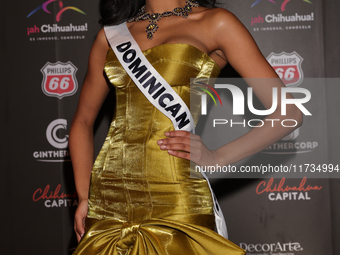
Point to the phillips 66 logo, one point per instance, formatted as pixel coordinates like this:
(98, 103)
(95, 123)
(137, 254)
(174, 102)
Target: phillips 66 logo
(287, 66)
(59, 79)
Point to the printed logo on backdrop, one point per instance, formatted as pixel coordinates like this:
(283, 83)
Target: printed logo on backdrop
(281, 191)
(67, 31)
(290, 145)
(283, 3)
(57, 137)
(59, 79)
(55, 197)
(277, 19)
(278, 248)
(62, 9)
(287, 66)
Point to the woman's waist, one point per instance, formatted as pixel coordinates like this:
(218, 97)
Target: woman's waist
(134, 200)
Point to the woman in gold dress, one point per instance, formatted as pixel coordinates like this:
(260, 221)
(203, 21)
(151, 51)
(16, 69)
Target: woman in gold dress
(138, 197)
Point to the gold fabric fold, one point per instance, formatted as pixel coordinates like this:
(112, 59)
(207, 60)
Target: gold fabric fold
(152, 237)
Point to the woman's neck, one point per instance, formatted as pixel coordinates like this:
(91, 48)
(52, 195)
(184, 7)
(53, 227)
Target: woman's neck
(159, 6)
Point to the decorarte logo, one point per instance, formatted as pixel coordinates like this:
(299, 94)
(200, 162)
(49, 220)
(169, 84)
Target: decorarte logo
(278, 248)
(62, 9)
(283, 5)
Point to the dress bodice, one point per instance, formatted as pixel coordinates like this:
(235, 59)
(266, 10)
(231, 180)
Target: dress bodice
(132, 178)
(177, 64)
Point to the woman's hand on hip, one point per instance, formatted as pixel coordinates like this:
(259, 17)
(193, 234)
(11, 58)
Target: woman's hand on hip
(185, 145)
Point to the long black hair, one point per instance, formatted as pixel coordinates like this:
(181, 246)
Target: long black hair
(114, 12)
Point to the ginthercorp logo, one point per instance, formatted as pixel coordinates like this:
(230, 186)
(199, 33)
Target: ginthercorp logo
(51, 134)
(290, 248)
(59, 79)
(56, 135)
(292, 136)
(55, 197)
(239, 106)
(283, 4)
(289, 145)
(62, 9)
(282, 192)
(287, 66)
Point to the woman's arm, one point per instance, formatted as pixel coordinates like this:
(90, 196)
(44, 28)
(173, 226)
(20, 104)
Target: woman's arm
(92, 96)
(243, 54)
(241, 51)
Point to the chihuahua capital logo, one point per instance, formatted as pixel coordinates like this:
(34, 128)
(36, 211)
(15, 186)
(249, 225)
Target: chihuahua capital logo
(283, 5)
(62, 9)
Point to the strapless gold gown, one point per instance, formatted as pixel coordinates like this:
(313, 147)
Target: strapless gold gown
(142, 200)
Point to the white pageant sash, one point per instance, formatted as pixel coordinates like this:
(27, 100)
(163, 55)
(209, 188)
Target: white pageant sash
(157, 91)
(147, 79)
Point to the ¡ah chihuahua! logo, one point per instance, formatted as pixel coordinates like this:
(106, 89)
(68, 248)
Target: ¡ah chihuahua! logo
(71, 29)
(283, 5)
(62, 9)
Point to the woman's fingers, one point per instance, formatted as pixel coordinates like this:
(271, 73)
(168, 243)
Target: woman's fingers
(174, 145)
(179, 154)
(79, 227)
(178, 133)
(185, 145)
(195, 154)
(180, 140)
(79, 219)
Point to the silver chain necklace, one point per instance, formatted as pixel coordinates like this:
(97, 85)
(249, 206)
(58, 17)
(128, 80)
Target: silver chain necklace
(155, 17)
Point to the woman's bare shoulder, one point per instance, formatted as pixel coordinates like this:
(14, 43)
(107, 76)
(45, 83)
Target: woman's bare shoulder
(219, 27)
(101, 39)
(220, 18)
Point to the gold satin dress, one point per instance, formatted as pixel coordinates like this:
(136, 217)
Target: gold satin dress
(142, 200)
